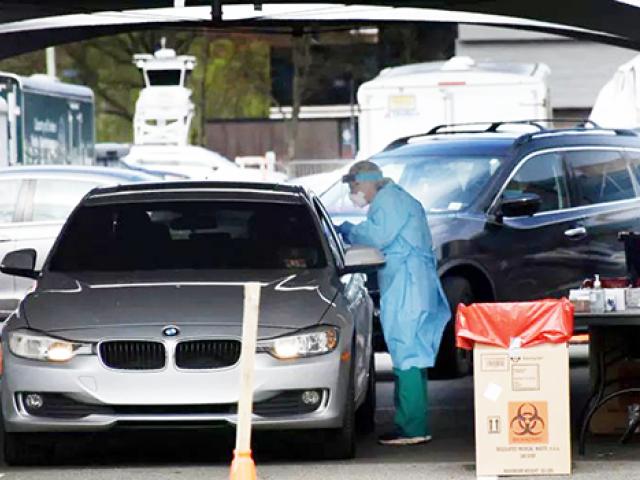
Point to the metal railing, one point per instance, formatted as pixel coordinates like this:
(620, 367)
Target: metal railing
(302, 168)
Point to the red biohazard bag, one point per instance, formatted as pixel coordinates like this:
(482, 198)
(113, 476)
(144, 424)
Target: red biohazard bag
(498, 324)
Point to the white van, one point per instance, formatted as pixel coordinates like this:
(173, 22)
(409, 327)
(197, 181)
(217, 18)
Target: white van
(412, 99)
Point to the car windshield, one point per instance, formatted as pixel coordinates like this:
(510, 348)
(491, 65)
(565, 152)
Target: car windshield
(441, 183)
(189, 235)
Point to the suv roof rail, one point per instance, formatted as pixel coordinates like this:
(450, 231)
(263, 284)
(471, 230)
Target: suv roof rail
(534, 122)
(493, 127)
(620, 132)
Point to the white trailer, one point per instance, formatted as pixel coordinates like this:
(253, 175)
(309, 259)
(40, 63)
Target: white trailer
(412, 99)
(618, 103)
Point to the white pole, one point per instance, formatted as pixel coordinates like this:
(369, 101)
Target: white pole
(247, 363)
(51, 62)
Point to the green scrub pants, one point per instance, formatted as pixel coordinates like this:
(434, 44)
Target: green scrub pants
(411, 402)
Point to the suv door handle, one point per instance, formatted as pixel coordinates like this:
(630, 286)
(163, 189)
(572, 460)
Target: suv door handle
(576, 232)
(4, 240)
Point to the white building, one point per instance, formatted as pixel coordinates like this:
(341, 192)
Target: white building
(579, 69)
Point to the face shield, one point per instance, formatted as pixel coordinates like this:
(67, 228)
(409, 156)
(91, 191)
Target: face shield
(355, 180)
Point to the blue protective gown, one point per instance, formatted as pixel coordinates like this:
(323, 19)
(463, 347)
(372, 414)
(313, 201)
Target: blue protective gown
(414, 308)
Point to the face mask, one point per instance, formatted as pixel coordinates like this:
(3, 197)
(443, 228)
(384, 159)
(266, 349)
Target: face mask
(358, 199)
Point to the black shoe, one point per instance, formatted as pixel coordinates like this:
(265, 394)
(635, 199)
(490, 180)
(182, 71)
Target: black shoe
(397, 439)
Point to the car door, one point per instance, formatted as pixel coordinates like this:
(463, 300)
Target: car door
(606, 197)
(535, 256)
(354, 291)
(49, 203)
(12, 194)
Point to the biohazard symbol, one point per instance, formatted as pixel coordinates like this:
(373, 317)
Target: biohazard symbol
(528, 422)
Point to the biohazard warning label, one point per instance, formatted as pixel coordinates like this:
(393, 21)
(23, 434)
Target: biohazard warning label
(528, 423)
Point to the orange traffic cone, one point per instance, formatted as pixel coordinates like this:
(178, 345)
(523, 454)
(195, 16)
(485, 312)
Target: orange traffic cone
(243, 467)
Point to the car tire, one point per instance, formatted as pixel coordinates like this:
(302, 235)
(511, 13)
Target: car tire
(366, 414)
(25, 449)
(340, 443)
(451, 361)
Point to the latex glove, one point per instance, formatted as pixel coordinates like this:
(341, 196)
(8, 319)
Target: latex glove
(345, 229)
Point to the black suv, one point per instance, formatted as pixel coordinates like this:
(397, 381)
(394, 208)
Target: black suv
(515, 215)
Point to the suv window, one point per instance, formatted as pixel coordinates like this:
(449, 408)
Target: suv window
(55, 199)
(9, 191)
(543, 175)
(442, 183)
(189, 235)
(600, 176)
(634, 159)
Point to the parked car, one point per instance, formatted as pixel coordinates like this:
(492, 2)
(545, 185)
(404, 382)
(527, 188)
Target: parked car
(194, 162)
(34, 203)
(141, 300)
(108, 154)
(514, 216)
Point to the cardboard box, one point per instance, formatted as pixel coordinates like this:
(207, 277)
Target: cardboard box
(522, 413)
(612, 418)
(632, 298)
(581, 300)
(615, 299)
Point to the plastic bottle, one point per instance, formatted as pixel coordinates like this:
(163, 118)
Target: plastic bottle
(597, 296)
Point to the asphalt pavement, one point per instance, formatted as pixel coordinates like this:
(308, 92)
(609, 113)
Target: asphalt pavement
(206, 455)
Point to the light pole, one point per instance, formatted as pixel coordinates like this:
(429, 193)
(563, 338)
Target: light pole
(51, 62)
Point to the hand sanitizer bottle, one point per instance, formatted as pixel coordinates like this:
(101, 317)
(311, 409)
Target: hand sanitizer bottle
(597, 296)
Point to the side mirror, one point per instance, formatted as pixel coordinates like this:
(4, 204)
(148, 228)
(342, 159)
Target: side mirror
(20, 263)
(524, 205)
(361, 259)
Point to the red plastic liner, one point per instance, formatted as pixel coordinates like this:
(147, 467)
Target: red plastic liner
(535, 323)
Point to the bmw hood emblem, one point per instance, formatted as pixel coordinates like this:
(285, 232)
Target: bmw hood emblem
(171, 331)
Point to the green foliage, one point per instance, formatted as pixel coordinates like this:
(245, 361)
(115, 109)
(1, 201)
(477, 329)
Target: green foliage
(231, 79)
(236, 77)
(26, 64)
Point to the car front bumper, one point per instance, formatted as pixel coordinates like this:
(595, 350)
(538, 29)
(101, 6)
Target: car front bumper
(91, 397)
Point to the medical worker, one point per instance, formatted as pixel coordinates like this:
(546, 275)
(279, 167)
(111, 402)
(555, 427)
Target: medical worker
(414, 308)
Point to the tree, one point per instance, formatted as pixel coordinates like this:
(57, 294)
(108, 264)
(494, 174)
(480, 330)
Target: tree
(301, 60)
(415, 42)
(231, 78)
(106, 66)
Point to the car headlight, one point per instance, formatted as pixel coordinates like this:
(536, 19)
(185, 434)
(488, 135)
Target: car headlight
(35, 346)
(306, 343)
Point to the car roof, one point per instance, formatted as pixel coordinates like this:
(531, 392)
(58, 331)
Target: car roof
(197, 190)
(105, 173)
(454, 144)
(506, 143)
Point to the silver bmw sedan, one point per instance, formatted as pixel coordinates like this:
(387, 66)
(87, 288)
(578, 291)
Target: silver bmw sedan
(136, 318)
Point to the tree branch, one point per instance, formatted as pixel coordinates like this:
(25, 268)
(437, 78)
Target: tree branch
(117, 113)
